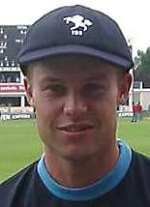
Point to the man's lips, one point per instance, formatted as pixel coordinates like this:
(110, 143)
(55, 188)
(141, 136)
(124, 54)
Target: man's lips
(75, 127)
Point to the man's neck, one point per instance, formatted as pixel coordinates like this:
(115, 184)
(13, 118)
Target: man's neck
(82, 172)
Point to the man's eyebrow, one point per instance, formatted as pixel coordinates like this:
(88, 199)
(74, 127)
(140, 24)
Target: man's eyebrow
(50, 79)
(100, 77)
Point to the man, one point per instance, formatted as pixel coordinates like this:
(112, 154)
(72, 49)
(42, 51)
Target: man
(76, 62)
(134, 109)
(139, 111)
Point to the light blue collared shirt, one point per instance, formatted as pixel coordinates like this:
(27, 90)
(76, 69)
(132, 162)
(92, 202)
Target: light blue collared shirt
(95, 190)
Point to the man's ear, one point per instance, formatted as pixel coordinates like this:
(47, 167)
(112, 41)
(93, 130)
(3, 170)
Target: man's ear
(124, 87)
(29, 92)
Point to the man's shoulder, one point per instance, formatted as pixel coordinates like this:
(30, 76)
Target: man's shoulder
(20, 177)
(18, 186)
(141, 168)
(141, 160)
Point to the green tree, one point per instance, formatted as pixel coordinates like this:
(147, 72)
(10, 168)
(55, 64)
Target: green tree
(142, 67)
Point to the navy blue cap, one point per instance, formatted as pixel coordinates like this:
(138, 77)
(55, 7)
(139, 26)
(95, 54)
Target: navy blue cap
(76, 30)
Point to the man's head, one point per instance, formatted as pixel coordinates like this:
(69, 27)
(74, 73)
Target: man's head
(75, 98)
(77, 62)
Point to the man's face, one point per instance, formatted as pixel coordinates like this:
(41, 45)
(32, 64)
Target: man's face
(75, 101)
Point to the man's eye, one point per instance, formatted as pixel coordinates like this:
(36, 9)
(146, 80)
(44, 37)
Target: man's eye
(94, 89)
(94, 86)
(56, 89)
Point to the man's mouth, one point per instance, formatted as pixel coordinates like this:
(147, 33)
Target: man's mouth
(75, 127)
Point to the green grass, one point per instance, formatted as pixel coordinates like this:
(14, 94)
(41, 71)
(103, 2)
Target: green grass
(20, 145)
(136, 134)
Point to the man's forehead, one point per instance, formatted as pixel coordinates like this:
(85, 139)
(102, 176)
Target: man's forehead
(73, 68)
(74, 62)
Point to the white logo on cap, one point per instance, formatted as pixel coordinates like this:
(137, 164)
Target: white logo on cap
(80, 24)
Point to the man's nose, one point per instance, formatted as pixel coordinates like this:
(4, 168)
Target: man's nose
(75, 106)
